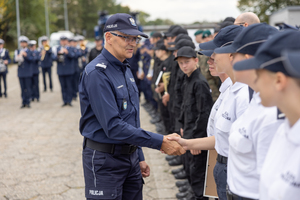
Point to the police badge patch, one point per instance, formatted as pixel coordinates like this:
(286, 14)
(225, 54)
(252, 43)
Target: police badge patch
(124, 106)
(132, 21)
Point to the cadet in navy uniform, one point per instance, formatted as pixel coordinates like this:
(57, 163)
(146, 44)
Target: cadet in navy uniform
(65, 69)
(113, 162)
(35, 71)
(23, 57)
(47, 57)
(4, 61)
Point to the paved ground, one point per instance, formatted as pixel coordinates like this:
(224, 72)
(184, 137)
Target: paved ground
(40, 150)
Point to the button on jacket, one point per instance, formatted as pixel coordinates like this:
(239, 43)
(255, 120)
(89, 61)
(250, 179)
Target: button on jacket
(280, 175)
(109, 103)
(250, 137)
(196, 105)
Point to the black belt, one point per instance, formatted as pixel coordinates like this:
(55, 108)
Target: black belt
(222, 159)
(109, 148)
(232, 196)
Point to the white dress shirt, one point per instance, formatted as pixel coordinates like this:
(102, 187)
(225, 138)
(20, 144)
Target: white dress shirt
(224, 91)
(232, 107)
(280, 175)
(249, 140)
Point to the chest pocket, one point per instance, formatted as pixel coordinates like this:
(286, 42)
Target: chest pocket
(122, 99)
(240, 143)
(223, 123)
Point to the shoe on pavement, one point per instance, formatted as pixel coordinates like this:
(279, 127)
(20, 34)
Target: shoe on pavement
(168, 157)
(181, 175)
(176, 171)
(175, 162)
(184, 188)
(182, 183)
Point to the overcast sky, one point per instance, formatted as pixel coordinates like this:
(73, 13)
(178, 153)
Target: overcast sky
(185, 11)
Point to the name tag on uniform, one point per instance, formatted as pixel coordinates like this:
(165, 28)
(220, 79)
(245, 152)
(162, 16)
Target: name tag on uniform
(124, 105)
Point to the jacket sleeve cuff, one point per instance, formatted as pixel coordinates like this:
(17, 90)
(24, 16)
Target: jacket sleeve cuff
(141, 154)
(156, 140)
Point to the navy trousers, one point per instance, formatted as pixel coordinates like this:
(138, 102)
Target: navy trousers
(3, 76)
(66, 87)
(35, 87)
(112, 176)
(220, 175)
(48, 71)
(25, 84)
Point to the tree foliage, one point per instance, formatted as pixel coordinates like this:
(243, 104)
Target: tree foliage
(82, 17)
(264, 8)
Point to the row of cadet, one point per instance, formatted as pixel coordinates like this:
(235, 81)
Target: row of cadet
(229, 98)
(71, 59)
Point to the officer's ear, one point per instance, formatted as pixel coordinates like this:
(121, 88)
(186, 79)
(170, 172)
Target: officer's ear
(108, 38)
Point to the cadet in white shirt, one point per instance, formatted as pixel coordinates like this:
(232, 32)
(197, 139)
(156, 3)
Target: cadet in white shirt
(252, 133)
(279, 85)
(233, 105)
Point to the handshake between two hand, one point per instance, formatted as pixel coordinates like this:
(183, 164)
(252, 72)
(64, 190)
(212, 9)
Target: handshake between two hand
(173, 144)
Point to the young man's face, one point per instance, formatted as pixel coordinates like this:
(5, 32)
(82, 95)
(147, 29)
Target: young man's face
(245, 76)
(159, 53)
(187, 65)
(212, 66)
(198, 38)
(266, 86)
(23, 44)
(1, 46)
(222, 62)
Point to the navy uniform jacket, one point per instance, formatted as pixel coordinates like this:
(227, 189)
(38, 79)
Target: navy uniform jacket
(5, 57)
(24, 68)
(109, 104)
(84, 53)
(48, 59)
(35, 61)
(67, 66)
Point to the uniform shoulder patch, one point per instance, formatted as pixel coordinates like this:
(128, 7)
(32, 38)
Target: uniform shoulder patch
(102, 65)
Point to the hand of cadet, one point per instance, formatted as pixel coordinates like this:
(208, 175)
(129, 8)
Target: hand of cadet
(149, 78)
(5, 62)
(181, 132)
(165, 99)
(66, 51)
(172, 147)
(195, 152)
(160, 88)
(145, 169)
(24, 54)
(179, 140)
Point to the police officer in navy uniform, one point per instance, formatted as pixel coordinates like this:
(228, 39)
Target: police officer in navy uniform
(113, 161)
(4, 61)
(35, 71)
(24, 57)
(65, 69)
(47, 57)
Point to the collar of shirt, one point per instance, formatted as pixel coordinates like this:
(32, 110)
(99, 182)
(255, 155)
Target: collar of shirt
(237, 86)
(256, 97)
(292, 133)
(195, 73)
(113, 60)
(227, 83)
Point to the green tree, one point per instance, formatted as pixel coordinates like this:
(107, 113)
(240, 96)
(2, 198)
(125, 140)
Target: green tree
(264, 8)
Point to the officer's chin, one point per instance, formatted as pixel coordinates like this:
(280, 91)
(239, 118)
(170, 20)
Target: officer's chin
(129, 55)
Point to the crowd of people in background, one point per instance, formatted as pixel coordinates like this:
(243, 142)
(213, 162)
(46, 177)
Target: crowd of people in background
(71, 57)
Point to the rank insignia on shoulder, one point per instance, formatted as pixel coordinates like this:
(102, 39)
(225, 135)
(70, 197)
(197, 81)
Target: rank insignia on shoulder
(102, 65)
(132, 80)
(124, 106)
